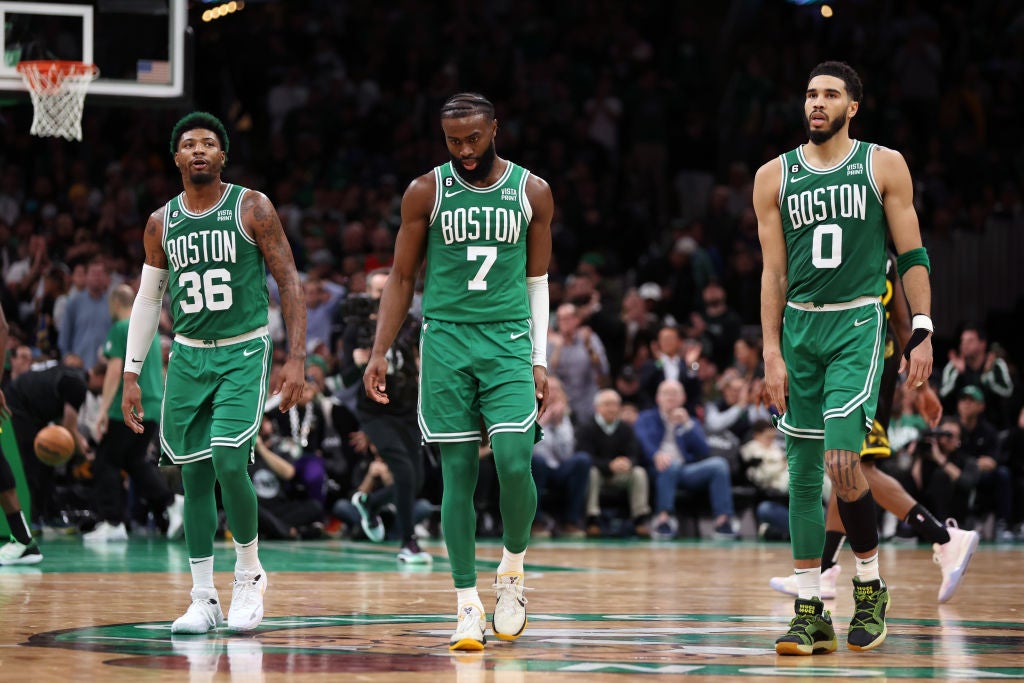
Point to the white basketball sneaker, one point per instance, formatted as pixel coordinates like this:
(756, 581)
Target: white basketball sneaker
(787, 584)
(246, 611)
(953, 557)
(202, 616)
(104, 532)
(510, 609)
(469, 634)
(176, 517)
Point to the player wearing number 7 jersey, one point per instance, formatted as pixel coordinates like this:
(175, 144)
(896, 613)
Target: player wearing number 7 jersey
(826, 211)
(484, 226)
(209, 247)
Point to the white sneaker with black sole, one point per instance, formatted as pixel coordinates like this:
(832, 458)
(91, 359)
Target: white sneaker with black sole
(14, 553)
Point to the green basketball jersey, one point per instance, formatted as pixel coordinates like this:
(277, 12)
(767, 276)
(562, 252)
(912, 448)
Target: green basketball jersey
(217, 277)
(476, 249)
(151, 379)
(834, 226)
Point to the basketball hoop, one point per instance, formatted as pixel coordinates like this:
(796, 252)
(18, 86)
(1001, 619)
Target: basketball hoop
(57, 89)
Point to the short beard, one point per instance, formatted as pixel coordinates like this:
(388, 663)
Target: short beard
(820, 137)
(484, 164)
(201, 178)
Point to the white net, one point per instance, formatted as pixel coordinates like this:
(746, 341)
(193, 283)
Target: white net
(58, 92)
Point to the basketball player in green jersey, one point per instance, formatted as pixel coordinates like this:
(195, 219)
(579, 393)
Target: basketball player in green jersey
(953, 547)
(826, 211)
(484, 226)
(210, 247)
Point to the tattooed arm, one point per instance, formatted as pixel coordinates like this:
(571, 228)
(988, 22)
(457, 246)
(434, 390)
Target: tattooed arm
(260, 219)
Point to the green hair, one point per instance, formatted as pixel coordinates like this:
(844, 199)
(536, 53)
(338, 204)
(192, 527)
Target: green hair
(199, 119)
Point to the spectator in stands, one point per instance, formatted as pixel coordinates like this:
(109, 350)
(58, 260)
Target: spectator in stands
(87, 318)
(734, 413)
(560, 466)
(721, 325)
(673, 358)
(942, 476)
(617, 463)
(284, 511)
(676, 454)
(1013, 456)
(765, 466)
(576, 357)
(974, 364)
(980, 441)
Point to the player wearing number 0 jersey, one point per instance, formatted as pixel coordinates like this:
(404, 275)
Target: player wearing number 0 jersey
(209, 247)
(825, 213)
(484, 226)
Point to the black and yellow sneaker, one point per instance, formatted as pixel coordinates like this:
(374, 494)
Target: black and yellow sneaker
(867, 628)
(810, 631)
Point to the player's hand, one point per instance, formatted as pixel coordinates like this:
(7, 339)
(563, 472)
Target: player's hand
(540, 381)
(776, 380)
(928, 405)
(292, 382)
(131, 403)
(102, 422)
(374, 378)
(919, 366)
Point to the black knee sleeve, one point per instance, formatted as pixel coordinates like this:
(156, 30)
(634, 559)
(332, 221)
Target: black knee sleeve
(859, 519)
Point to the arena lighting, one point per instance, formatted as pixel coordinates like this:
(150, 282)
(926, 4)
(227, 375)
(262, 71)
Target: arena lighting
(826, 11)
(223, 10)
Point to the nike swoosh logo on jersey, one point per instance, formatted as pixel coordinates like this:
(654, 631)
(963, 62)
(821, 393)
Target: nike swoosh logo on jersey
(517, 335)
(249, 352)
(449, 193)
(797, 180)
(858, 323)
(174, 225)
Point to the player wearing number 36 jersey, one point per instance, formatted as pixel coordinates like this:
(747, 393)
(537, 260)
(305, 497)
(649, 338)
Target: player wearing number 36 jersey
(209, 247)
(483, 224)
(825, 212)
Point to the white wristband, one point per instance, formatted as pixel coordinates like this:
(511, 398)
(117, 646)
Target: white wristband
(922, 322)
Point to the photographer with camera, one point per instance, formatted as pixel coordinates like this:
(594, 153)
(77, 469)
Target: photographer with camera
(392, 427)
(942, 476)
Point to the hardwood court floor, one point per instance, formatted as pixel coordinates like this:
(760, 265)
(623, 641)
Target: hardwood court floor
(599, 612)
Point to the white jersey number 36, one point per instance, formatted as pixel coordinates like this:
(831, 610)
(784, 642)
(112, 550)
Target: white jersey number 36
(211, 291)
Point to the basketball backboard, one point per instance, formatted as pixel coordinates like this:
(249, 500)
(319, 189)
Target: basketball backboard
(138, 45)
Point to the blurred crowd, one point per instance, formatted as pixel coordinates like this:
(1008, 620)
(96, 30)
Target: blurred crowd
(648, 120)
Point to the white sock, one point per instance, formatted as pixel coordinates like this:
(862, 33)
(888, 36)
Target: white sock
(202, 572)
(867, 568)
(247, 557)
(808, 583)
(469, 596)
(511, 562)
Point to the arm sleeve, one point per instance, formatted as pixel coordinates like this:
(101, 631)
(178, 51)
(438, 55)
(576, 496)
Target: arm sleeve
(145, 317)
(537, 293)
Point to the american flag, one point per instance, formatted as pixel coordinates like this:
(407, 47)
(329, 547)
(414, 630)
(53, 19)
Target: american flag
(153, 71)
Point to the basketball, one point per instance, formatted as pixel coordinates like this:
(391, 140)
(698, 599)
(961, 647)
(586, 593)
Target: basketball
(54, 445)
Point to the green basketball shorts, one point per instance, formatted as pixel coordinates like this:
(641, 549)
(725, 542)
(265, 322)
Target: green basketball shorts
(834, 357)
(475, 376)
(214, 396)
